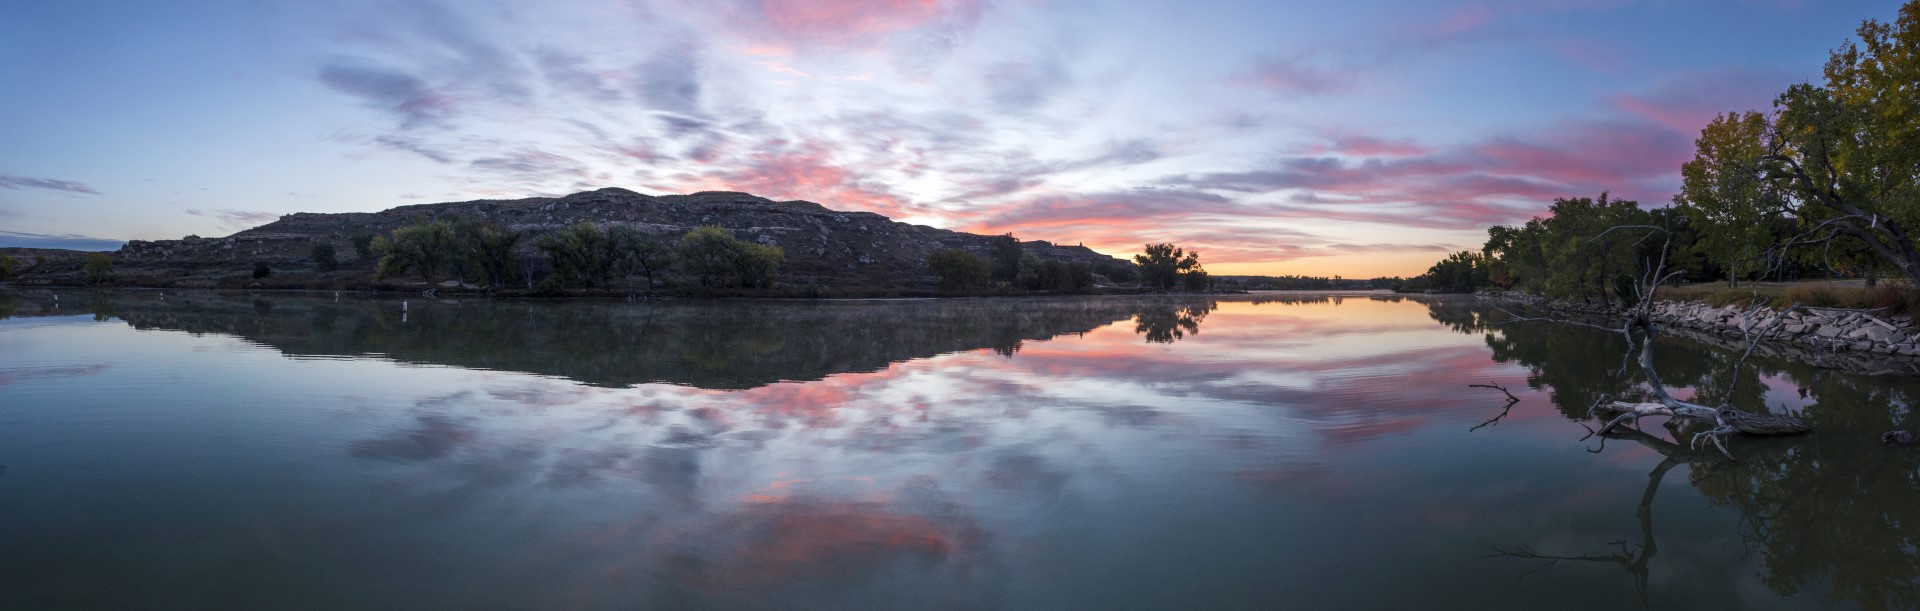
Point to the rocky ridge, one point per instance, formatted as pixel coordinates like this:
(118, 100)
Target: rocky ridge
(824, 247)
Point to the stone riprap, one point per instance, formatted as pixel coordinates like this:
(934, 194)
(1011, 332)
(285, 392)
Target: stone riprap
(1852, 340)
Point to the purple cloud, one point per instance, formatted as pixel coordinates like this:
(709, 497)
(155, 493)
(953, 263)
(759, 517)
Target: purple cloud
(394, 92)
(9, 181)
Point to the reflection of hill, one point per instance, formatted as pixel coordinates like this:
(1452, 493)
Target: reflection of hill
(724, 345)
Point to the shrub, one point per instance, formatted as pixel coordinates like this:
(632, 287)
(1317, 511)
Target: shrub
(960, 271)
(261, 269)
(99, 268)
(7, 267)
(323, 257)
(363, 245)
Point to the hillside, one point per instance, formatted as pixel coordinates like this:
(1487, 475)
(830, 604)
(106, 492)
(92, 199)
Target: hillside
(824, 247)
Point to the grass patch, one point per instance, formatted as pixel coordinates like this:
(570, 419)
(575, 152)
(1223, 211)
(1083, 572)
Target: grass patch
(1888, 298)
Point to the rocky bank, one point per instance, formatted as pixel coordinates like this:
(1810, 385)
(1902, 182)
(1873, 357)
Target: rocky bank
(1849, 340)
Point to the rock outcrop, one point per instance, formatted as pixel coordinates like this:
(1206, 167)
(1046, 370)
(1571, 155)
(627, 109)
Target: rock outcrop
(823, 247)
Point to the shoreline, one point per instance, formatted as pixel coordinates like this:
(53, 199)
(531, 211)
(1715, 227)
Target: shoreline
(1835, 338)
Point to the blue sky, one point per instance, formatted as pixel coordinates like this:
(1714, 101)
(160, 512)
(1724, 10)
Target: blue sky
(1357, 138)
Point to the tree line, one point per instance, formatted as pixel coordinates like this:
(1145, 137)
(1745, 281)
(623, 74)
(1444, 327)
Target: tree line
(582, 255)
(1008, 267)
(1827, 183)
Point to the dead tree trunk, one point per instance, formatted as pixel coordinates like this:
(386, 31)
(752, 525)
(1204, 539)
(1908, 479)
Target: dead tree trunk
(1640, 332)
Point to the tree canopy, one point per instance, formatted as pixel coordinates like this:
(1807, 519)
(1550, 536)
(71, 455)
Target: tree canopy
(1164, 265)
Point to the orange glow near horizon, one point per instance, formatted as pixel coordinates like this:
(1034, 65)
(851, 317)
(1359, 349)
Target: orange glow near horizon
(1369, 265)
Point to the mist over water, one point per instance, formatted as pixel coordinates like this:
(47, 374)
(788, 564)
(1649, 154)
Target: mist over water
(224, 450)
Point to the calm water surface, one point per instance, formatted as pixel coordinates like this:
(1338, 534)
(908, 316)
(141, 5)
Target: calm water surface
(207, 451)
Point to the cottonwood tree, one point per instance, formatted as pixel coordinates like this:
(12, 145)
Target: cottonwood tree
(718, 258)
(635, 252)
(1162, 265)
(490, 251)
(1722, 195)
(581, 253)
(960, 271)
(1842, 153)
(427, 248)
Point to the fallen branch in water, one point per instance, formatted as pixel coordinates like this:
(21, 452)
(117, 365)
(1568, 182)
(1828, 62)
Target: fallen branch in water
(1511, 400)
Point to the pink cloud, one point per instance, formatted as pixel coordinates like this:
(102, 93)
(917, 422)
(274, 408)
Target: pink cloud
(842, 19)
(1686, 102)
(808, 171)
(1295, 76)
(1362, 145)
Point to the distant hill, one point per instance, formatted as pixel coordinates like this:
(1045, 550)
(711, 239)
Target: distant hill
(824, 247)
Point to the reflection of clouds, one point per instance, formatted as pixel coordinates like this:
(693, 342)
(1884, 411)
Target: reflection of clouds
(16, 374)
(914, 546)
(729, 498)
(433, 436)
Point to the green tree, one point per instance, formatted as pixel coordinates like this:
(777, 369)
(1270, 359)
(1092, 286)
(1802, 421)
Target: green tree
(1162, 265)
(1843, 152)
(1003, 257)
(758, 264)
(1196, 280)
(718, 258)
(323, 257)
(363, 246)
(427, 248)
(490, 251)
(708, 253)
(961, 272)
(634, 252)
(1460, 272)
(581, 253)
(1120, 272)
(99, 268)
(1725, 198)
(8, 267)
(1027, 270)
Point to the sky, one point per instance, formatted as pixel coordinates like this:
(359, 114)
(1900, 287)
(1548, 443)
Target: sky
(1360, 138)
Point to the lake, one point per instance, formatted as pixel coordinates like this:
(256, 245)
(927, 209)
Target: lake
(181, 450)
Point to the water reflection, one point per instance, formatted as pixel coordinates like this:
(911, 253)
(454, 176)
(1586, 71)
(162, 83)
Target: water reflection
(617, 344)
(1046, 453)
(1827, 509)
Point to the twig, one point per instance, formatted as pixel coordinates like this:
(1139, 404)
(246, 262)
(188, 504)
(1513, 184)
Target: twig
(1511, 401)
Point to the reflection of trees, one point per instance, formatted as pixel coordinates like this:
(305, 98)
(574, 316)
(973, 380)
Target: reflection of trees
(1838, 508)
(705, 344)
(1168, 322)
(1637, 558)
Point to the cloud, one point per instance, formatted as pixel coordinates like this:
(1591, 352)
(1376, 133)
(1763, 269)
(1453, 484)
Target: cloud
(1147, 205)
(809, 171)
(670, 79)
(1686, 102)
(237, 219)
(530, 165)
(567, 73)
(9, 181)
(835, 23)
(1296, 75)
(415, 146)
(17, 239)
(1020, 86)
(1362, 145)
(1495, 181)
(397, 93)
